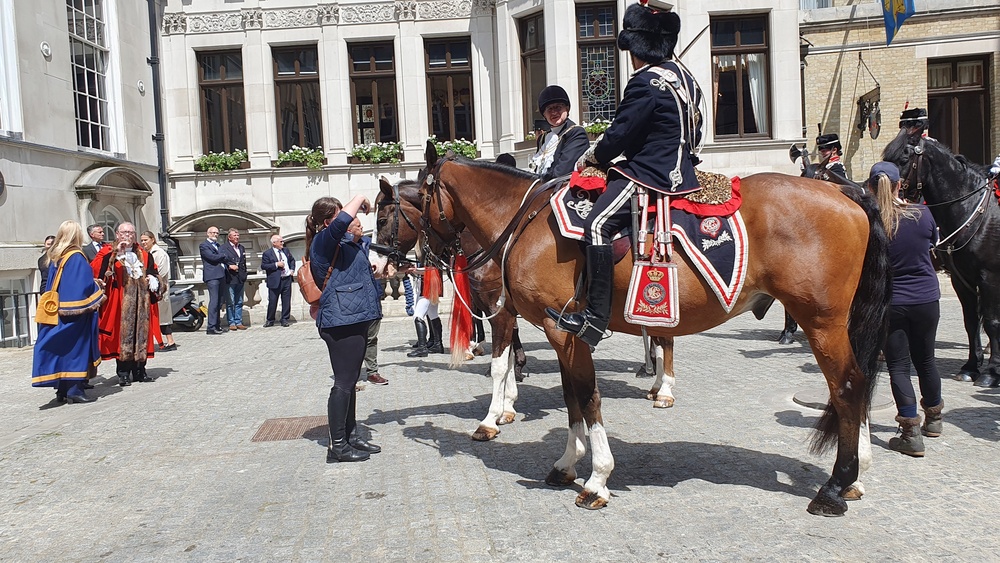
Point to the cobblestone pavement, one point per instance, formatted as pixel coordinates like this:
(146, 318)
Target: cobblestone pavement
(166, 471)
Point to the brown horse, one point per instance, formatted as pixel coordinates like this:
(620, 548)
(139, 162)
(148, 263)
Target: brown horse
(397, 219)
(820, 250)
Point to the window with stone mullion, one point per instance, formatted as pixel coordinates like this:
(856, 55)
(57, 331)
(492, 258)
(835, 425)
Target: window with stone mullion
(297, 97)
(223, 120)
(598, 56)
(89, 58)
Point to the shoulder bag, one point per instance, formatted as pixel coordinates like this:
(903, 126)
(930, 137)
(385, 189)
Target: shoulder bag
(311, 292)
(47, 312)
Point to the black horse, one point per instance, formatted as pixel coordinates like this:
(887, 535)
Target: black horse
(962, 200)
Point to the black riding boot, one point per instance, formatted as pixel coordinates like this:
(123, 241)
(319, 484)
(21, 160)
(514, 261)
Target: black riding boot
(340, 449)
(590, 324)
(789, 330)
(353, 435)
(124, 371)
(434, 343)
(139, 373)
(420, 349)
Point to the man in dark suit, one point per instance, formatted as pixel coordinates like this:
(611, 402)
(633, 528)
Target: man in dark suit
(279, 264)
(213, 273)
(236, 278)
(96, 234)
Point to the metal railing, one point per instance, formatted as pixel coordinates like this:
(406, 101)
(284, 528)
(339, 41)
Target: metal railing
(17, 319)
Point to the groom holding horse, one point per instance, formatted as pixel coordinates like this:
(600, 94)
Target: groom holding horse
(657, 128)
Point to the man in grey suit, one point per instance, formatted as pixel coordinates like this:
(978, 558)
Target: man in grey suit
(213, 273)
(96, 234)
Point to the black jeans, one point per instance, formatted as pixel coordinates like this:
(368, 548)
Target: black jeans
(346, 345)
(912, 332)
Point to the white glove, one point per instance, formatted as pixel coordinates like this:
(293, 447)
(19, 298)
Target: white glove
(587, 158)
(154, 283)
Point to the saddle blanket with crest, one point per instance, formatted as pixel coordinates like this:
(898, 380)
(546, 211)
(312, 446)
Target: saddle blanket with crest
(716, 245)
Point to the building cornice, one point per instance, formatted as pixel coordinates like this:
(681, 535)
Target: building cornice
(937, 40)
(324, 14)
(81, 154)
(870, 15)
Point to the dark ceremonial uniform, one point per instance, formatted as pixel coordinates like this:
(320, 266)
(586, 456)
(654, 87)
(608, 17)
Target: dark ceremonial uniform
(573, 142)
(656, 128)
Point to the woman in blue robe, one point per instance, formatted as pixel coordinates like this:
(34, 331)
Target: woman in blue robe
(64, 351)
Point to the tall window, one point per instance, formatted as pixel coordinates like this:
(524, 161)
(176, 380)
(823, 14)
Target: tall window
(89, 55)
(373, 88)
(296, 93)
(449, 89)
(596, 24)
(532, 32)
(958, 105)
(223, 116)
(740, 80)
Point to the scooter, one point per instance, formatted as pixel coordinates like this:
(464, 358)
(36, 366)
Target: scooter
(188, 316)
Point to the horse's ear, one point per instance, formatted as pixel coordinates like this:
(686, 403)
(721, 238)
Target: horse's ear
(384, 186)
(432, 154)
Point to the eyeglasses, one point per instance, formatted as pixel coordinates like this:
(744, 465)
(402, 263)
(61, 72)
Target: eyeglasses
(121, 232)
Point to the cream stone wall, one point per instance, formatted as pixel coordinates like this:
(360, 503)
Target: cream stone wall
(834, 80)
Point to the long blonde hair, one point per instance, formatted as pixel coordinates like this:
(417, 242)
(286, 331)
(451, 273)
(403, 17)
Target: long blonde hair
(892, 209)
(68, 237)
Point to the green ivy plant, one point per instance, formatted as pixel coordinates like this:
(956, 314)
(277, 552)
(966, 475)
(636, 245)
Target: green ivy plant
(465, 148)
(220, 161)
(597, 127)
(312, 158)
(377, 153)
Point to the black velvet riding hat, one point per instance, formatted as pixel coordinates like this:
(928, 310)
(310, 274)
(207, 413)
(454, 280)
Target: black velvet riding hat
(648, 33)
(915, 117)
(551, 95)
(828, 141)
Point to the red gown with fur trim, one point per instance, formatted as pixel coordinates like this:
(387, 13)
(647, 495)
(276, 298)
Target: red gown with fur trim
(124, 322)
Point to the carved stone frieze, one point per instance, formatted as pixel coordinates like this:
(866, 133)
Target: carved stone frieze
(224, 21)
(368, 13)
(329, 14)
(484, 7)
(406, 9)
(444, 9)
(253, 18)
(294, 17)
(174, 23)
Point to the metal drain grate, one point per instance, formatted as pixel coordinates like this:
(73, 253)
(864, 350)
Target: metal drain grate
(276, 429)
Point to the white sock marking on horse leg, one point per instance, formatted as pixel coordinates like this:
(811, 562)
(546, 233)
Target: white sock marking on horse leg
(602, 460)
(575, 449)
(498, 373)
(864, 453)
(510, 384)
(666, 380)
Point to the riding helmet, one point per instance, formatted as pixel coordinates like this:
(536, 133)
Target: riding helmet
(551, 95)
(829, 141)
(648, 33)
(916, 117)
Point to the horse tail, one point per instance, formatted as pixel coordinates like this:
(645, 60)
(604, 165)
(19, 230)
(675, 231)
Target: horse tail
(866, 325)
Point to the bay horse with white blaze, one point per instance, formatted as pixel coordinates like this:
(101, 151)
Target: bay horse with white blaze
(397, 216)
(819, 250)
(966, 210)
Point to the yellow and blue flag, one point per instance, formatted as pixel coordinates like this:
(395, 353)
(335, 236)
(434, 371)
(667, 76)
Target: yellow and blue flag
(895, 13)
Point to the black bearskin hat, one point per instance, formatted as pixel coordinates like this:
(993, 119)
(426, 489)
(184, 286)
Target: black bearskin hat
(916, 117)
(649, 34)
(829, 141)
(551, 95)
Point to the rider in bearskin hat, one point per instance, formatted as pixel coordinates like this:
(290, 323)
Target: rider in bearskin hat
(657, 128)
(561, 146)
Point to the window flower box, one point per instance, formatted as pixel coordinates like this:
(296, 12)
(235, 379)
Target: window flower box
(222, 162)
(300, 156)
(376, 153)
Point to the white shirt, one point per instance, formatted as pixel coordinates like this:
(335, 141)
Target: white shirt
(285, 272)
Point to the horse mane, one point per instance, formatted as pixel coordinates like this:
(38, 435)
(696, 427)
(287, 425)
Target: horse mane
(489, 165)
(899, 151)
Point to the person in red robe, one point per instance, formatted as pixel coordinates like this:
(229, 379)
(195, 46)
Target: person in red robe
(129, 274)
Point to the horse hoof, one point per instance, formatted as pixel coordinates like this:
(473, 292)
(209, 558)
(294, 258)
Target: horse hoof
(852, 492)
(559, 478)
(985, 380)
(827, 505)
(641, 372)
(785, 339)
(506, 418)
(590, 500)
(653, 393)
(965, 376)
(663, 402)
(484, 434)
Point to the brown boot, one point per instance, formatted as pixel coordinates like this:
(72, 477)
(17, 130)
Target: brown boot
(932, 419)
(909, 441)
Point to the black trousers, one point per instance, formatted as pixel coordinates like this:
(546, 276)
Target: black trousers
(214, 299)
(611, 213)
(346, 345)
(912, 332)
(284, 291)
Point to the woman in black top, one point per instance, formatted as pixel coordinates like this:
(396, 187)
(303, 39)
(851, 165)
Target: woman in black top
(914, 311)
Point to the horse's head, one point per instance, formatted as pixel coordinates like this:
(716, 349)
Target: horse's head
(397, 216)
(439, 227)
(929, 170)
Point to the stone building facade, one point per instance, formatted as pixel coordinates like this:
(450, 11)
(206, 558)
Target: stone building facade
(943, 58)
(76, 127)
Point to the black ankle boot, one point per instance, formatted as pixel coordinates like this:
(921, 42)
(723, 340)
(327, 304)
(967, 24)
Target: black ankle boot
(353, 435)
(590, 324)
(124, 371)
(340, 449)
(139, 374)
(420, 348)
(434, 342)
